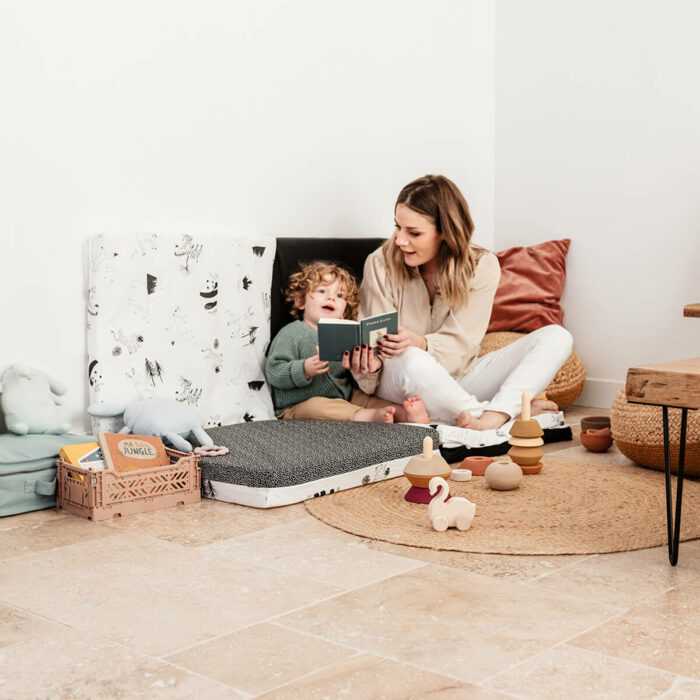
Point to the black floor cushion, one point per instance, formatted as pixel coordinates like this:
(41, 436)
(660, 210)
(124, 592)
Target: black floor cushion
(278, 453)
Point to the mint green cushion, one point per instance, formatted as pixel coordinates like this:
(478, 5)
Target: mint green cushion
(24, 449)
(28, 470)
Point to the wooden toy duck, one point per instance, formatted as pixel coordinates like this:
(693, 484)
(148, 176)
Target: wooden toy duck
(526, 440)
(421, 469)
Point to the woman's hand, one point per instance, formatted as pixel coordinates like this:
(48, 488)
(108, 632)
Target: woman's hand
(395, 344)
(363, 360)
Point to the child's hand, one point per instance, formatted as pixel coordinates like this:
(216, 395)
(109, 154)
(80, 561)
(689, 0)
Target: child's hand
(314, 366)
(363, 361)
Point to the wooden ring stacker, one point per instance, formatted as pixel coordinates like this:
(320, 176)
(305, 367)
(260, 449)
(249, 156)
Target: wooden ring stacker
(421, 469)
(210, 451)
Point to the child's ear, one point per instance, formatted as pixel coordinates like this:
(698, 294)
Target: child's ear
(299, 302)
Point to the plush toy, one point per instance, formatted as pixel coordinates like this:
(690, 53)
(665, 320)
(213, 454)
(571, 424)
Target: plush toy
(164, 418)
(29, 400)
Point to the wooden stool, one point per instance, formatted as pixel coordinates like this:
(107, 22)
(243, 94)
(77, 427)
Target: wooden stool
(677, 385)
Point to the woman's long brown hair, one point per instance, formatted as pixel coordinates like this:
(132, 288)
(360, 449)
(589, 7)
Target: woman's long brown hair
(438, 198)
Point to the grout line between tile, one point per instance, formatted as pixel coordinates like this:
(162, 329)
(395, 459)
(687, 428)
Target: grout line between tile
(600, 654)
(36, 614)
(305, 675)
(398, 660)
(561, 568)
(157, 659)
(372, 653)
(132, 650)
(244, 694)
(290, 611)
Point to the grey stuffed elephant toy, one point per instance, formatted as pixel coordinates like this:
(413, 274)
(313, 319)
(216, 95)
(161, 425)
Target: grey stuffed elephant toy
(29, 401)
(164, 418)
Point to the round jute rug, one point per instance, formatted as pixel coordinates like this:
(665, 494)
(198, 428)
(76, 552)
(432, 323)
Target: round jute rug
(570, 507)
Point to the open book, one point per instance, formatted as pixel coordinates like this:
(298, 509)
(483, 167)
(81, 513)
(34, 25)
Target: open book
(336, 335)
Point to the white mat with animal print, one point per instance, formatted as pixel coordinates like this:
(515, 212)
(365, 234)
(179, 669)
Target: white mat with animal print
(184, 317)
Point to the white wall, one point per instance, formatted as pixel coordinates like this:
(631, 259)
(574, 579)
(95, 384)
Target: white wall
(279, 118)
(598, 140)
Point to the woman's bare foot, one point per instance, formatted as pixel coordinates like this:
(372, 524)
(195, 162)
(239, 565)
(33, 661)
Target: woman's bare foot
(542, 406)
(415, 411)
(489, 420)
(375, 415)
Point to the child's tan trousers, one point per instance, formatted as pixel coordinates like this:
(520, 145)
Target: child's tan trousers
(321, 408)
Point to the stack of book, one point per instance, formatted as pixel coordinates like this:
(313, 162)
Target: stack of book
(117, 452)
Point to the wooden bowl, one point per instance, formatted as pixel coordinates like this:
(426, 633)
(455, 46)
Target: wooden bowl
(594, 423)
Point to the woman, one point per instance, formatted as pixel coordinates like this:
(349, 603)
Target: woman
(443, 288)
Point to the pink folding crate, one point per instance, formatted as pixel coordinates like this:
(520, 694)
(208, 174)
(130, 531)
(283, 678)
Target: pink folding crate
(100, 495)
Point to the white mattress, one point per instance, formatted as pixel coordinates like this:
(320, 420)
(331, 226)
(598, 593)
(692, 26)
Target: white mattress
(262, 497)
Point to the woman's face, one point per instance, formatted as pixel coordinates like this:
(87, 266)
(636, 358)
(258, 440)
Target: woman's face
(416, 235)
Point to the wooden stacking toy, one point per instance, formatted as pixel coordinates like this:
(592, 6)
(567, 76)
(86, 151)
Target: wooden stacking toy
(526, 441)
(421, 469)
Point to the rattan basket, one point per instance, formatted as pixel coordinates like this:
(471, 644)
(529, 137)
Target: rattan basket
(568, 382)
(639, 434)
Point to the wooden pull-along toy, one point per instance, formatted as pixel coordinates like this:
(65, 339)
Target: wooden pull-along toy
(526, 440)
(457, 512)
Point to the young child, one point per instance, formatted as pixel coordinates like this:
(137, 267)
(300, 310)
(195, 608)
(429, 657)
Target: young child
(305, 387)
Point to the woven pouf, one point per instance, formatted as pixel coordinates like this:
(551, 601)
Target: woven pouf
(568, 382)
(639, 434)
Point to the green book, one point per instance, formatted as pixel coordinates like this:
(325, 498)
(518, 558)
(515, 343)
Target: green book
(336, 335)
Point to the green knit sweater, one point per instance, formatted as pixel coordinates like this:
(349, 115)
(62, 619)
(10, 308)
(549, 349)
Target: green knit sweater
(285, 369)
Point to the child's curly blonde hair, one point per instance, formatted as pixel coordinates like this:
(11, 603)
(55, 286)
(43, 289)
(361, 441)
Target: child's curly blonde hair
(313, 275)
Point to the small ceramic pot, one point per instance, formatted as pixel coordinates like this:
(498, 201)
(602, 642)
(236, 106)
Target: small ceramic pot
(503, 476)
(594, 423)
(597, 440)
(476, 464)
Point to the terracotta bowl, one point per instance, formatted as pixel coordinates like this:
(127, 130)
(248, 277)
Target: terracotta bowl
(594, 423)
(597, 440)
(476, 464)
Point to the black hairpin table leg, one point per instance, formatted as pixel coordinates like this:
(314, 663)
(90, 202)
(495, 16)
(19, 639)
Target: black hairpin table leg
(674, 525)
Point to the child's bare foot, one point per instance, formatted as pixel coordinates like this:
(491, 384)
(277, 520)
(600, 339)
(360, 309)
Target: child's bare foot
(542, 406)
(415, 410)
(375, 415)
(464, 420)
(489, 420)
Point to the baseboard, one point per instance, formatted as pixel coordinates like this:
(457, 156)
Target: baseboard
(598, 393)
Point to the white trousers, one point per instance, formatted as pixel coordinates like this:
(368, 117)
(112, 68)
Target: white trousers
(495, 382)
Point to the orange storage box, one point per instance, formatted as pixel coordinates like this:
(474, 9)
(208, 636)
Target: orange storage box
(100, 495)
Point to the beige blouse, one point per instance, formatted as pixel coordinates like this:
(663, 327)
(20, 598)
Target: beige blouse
(453, 335)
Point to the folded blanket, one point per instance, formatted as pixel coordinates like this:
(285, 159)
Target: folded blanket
(458, 443)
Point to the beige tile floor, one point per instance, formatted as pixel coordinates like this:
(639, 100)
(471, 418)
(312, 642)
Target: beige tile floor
(220, 601)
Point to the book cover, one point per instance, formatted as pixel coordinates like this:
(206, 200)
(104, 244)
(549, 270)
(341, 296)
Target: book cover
(374, 327)
(87, 455)
(336, 335)
(126, 453)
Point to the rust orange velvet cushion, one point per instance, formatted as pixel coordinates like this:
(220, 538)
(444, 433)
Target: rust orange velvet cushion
(532, 282)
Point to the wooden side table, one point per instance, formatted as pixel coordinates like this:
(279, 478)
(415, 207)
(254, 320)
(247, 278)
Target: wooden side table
(692, 310)
(669, 385)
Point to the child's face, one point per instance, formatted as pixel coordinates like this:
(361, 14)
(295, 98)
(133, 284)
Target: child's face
(326, 301)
